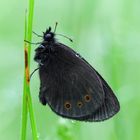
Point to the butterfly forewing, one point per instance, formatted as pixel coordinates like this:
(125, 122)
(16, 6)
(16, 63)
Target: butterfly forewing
(72, 88)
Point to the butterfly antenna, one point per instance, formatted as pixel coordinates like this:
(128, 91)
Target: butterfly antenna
(33, 72)
(55, 26)
(65, 37)
(37, 34)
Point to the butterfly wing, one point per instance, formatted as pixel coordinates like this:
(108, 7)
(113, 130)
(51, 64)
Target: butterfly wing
(70, 86)
(109, 107)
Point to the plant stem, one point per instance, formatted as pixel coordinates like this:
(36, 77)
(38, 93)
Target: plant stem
(30, 23)
(27, 100)
(24, 102)
(24, 114)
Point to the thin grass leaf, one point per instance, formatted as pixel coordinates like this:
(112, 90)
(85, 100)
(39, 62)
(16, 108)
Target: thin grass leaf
(27, 100)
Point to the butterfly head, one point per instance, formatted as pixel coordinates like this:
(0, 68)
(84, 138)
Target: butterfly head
(48, 36)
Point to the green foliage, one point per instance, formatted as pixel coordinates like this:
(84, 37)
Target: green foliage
(106, 33)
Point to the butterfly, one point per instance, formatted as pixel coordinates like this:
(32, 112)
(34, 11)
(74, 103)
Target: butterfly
(70, 85)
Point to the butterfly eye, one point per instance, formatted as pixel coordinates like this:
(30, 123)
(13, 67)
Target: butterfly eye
(79, 104)
(87, 98)
(67, 105)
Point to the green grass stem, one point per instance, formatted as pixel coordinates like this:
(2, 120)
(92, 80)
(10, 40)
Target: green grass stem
(27, 100)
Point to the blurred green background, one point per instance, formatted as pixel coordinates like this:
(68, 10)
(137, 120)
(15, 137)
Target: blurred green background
(105, 32)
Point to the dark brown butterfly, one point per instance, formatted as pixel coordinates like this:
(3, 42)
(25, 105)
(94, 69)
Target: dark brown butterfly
(70, 85)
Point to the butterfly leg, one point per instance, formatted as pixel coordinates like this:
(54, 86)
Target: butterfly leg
(32, 42)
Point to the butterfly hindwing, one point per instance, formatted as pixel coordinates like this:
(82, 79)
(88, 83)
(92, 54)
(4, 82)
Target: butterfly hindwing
(109, 107)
